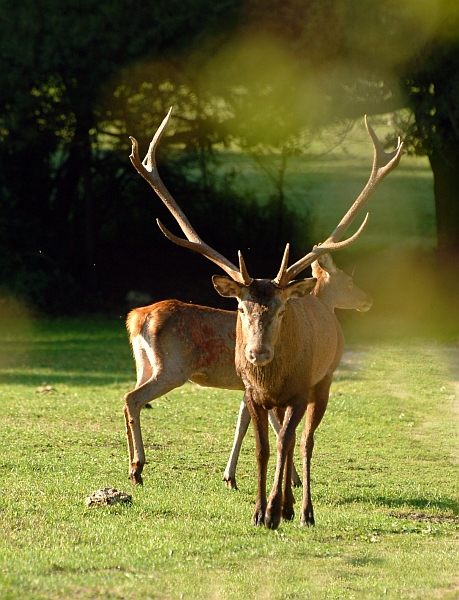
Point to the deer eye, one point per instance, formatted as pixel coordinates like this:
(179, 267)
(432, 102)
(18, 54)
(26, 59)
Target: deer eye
(241, 310)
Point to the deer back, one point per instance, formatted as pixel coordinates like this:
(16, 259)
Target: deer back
(198, 340)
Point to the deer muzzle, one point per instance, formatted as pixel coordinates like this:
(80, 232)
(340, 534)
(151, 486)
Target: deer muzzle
(367, 303)
(259, 356)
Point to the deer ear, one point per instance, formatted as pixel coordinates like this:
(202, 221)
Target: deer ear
(226, 286)
(316, 269)
(298, 289)
(327, 264)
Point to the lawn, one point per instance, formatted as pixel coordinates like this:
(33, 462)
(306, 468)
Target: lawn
(385, 479)
(385, 475)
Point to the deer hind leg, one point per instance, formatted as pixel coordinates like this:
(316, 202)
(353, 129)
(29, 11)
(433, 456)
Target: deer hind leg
(280, 503)
(243, 420)
(144, 372)
(133, 402)
(152, 382)
(315, 410)
(288, 499)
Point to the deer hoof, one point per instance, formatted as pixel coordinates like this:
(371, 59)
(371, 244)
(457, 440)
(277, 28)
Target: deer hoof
(258, 516)
(272, 521)
(136, 478)
(230, 482)
(307, 524)
(273, 514)
(287, 512)
(307, 519)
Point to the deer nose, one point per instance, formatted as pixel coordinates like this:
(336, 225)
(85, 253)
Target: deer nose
(259, 358)
(366, 305)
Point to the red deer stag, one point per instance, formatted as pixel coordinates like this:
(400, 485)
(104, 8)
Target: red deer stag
(173, 342)
(288, 343)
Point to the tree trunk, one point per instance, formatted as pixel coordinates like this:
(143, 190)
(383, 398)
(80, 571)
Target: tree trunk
(445, 167)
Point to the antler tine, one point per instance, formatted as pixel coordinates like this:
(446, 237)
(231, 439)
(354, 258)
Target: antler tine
(149, 171)
(383, 164)
(283, 268)
(241, 277)
(247, 280)
(318, 250)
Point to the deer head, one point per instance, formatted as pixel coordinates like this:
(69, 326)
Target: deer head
(261, 309)
(336, 288)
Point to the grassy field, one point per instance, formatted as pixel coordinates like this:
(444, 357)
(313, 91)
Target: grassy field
(385, 480)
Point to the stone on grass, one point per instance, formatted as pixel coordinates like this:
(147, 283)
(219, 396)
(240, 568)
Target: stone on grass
(106, 497)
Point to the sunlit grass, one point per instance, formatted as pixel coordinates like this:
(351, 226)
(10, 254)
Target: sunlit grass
(385, 481)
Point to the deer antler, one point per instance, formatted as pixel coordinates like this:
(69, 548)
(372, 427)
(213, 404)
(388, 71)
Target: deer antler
(148, 169)
(383, 164)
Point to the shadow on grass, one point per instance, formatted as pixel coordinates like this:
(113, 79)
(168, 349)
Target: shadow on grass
(77, 379)
(450, 505)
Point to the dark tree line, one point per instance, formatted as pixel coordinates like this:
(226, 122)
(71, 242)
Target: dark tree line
(77, 78)
(433, 90)
(69, 203)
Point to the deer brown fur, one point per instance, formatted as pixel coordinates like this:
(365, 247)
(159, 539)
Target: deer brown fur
(335, 289)
(285, 370)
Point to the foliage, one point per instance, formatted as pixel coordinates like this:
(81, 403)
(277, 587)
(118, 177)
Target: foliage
(433, 86)
(58, 58)
(261, 76)
(360, 57)
(385, 478)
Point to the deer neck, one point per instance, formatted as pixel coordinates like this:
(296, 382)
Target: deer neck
(324, 292)
(267, 382)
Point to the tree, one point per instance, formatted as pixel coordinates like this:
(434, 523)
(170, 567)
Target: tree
(81, 76)
(361, 57)
(57, 59)
(433, 89)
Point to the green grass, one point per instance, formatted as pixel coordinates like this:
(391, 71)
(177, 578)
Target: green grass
(385, 480)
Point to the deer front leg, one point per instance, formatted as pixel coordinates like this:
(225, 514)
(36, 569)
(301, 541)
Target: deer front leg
(259, 417)
(275, 424)
(229, 476)
(155, 387)
(288, 499)
(315, 410)
(282, 503)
